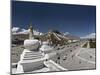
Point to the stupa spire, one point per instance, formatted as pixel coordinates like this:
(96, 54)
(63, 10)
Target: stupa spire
(31, 35)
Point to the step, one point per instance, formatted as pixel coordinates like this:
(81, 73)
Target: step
(32, 56)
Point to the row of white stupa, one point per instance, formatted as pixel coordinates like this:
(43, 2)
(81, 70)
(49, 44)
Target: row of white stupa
(35, 55)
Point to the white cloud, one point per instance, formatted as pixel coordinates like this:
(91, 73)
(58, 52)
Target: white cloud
(37, 32)
(18, 30)
(15, 29)
(92, 35)
(24, 31)
(66, 33)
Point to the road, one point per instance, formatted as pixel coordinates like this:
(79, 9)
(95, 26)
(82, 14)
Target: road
(80, 58)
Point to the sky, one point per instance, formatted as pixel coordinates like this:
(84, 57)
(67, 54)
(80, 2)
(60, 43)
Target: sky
(75, 19)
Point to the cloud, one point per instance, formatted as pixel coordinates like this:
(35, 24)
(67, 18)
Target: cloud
(24, 31)
(92, 35)
(15, 29)
(18, 30)
(66, 33)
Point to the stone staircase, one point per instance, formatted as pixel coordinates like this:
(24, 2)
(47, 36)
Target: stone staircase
(32, 55)
(30, 61)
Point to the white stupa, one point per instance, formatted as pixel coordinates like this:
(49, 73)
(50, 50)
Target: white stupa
(46, 48)
(31, 59)
(31, 44)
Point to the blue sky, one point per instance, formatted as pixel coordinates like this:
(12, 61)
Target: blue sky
(75, 19)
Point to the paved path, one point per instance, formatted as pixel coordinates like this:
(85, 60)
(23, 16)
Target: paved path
(84, 58)
(88, 44)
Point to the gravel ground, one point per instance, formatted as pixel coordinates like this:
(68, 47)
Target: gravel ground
(16, 52)
(81, 60)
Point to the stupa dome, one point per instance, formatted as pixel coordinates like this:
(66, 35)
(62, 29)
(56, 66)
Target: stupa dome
(31, 44)
(46, 48)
